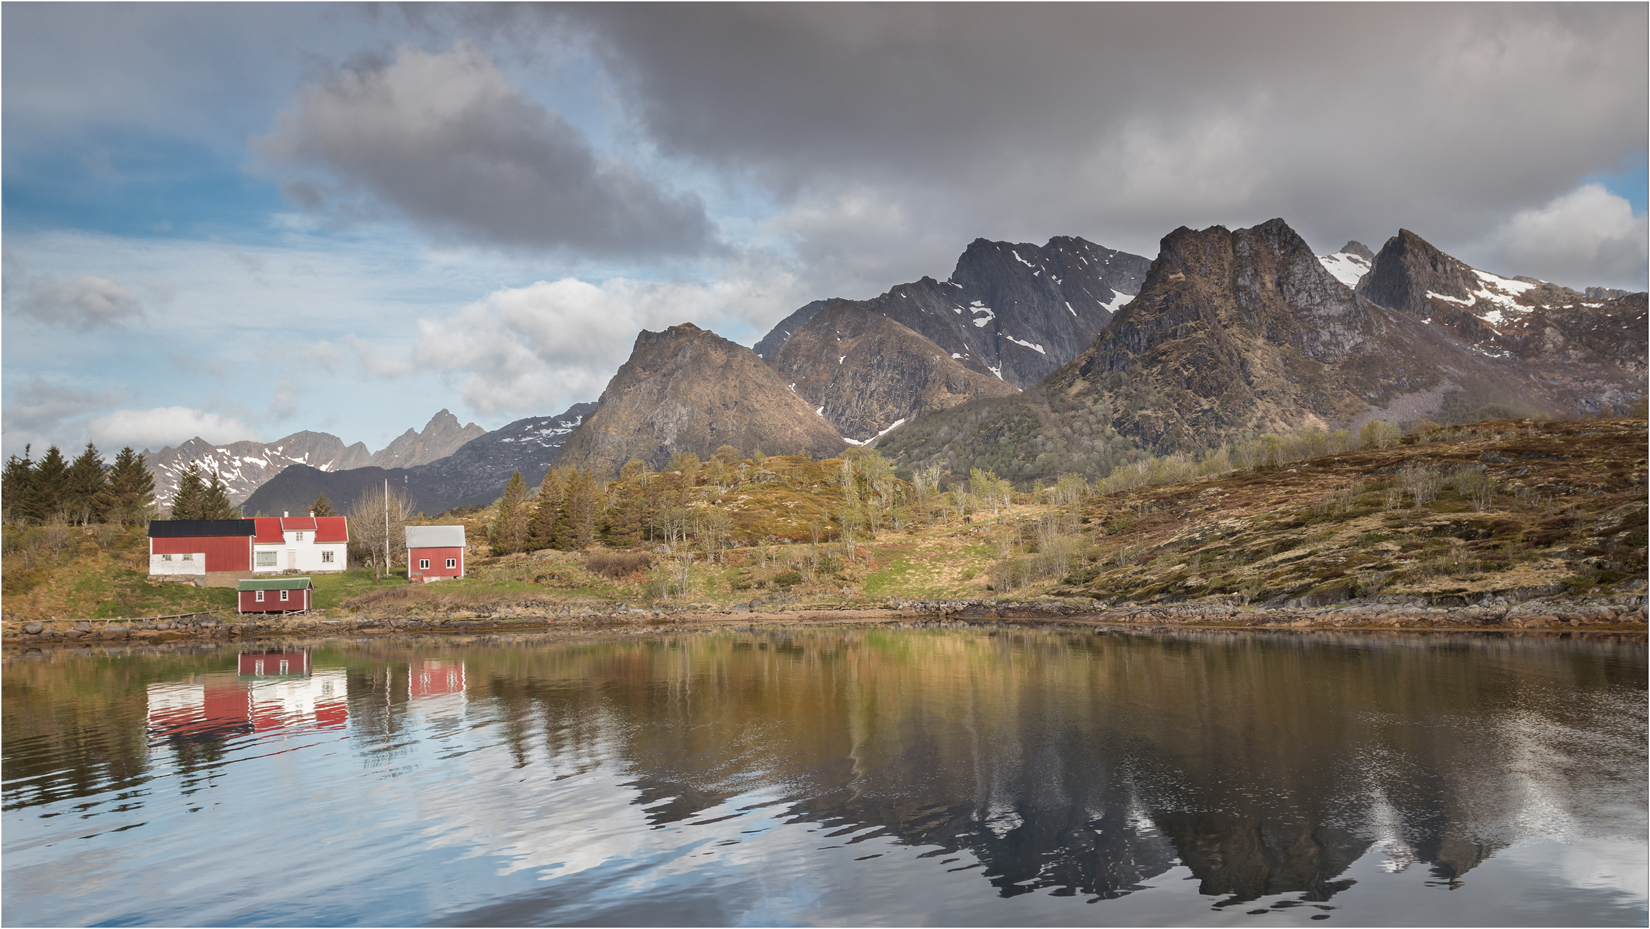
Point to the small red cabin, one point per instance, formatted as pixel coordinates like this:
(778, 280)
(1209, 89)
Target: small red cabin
(435, 553)
(275, 595)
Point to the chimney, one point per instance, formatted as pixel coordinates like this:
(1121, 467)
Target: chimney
(311, 514)
(285, 514)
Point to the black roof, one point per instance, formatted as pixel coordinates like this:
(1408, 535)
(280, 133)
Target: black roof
(181, 528)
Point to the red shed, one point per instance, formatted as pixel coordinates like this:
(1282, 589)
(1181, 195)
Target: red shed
(435, 553)
(196, 546)
(275, 595)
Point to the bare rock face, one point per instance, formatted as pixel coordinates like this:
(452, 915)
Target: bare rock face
(1583, 354)
(440, 438)
(690, 390)
(867, 374)
(1013, 311)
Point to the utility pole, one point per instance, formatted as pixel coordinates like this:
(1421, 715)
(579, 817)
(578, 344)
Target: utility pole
(386, 525)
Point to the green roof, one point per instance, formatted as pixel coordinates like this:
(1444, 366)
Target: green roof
(275, 583)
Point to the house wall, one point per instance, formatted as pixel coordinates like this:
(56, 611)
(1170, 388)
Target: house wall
(272, 601)
(176, 563)
(438, 562)
(223, 553)
(303, 556)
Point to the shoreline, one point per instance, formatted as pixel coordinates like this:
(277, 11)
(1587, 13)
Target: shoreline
(1617, 617)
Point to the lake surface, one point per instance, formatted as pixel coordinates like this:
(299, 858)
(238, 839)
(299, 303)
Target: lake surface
(953, 777)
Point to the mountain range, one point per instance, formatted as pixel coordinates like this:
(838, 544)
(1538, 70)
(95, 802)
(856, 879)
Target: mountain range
(1034, 360)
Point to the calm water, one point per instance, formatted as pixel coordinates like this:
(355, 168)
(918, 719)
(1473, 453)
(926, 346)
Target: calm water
(830, 777)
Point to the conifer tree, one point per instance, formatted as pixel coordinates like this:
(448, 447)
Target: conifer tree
(215, 501)
(131, 490)
(50, 479)
(17, 488)
(509, 530)
(85, 487)
(190, 495)
(322, 507)
(576, 528)
(541, 529)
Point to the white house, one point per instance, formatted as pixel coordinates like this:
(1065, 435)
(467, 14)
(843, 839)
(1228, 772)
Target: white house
(300, 543)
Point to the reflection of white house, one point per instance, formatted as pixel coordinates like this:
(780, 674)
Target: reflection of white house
(303, 543)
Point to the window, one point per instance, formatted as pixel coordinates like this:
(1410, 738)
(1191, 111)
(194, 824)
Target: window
(326, 557)
(300, 536)
(284, 596)
(259, 597)
(266, 559)
(189, 557)
(166, 558)
(258, 666)
(452, 562)
(423, 564)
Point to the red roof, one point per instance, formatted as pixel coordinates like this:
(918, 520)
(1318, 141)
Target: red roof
(269, 530)
(331, 529)
(272, 529)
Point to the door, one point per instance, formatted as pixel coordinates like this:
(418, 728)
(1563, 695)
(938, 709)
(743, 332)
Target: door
(292, 559)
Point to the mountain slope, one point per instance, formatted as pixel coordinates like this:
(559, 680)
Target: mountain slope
(1590, 353)
(689, 390)
(474, 474)
(440, 438)
(1350, 264)
(1013, 311)
(866, 373)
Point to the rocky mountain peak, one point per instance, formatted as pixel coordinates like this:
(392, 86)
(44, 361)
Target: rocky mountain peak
(441, 437)
(1409, 267)
(1354, 247)
(687, 389)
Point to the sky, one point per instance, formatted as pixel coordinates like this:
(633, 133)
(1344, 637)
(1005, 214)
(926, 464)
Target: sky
(238, 221)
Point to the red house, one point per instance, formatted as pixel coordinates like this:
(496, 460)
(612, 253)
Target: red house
(435, 553)
(274, 595)
(196, 546)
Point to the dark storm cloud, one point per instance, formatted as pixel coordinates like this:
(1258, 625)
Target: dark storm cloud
(447, 141)
(1124, 121)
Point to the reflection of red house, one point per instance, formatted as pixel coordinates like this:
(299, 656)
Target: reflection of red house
(271, 692)
(273, 664)
(435, 678)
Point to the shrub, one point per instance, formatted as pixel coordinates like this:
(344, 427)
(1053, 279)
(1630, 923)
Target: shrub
(616, 565)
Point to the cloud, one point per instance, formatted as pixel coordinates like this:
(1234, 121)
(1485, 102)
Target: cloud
(537, 347)
(162, 426)
(42, 413)
(366, 354)
(84, 303)
(1588, 236)
(445, 140)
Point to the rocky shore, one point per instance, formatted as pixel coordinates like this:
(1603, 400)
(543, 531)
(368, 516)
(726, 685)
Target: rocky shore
(1619, 614)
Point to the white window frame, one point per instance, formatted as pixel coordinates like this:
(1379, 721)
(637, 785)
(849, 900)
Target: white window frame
(300, 535)
(267, 559)
(452, 563)
(166, 558)
(284, 595)
(326, 557)
(189, 557)
(423, 564)
(258, 596)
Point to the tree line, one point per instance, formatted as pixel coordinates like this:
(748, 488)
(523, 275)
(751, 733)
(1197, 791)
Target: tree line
(81, 492)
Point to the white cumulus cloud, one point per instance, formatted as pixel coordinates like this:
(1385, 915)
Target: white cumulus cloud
(1588, 236)
(162, 426)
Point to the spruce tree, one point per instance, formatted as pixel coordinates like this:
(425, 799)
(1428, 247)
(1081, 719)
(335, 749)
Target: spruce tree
(186, 503)
(85, 487)
(541, 530)
(131, 489)
(215, 501)
(50, 480)
(322, 507)
(17, 488)
(576, 528)
(509, 530)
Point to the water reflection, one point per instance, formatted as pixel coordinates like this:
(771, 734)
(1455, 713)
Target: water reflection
(1038, 766)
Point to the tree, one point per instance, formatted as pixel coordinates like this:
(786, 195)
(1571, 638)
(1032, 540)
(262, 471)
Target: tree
(215, 501)
(728, 454)
(50, 479)
(17, 488)
(508, 533)
(84, 486)
(541, 527)
(131, 488)
(576, 527)
(322, 507)
(187, 501)
(378, 524)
